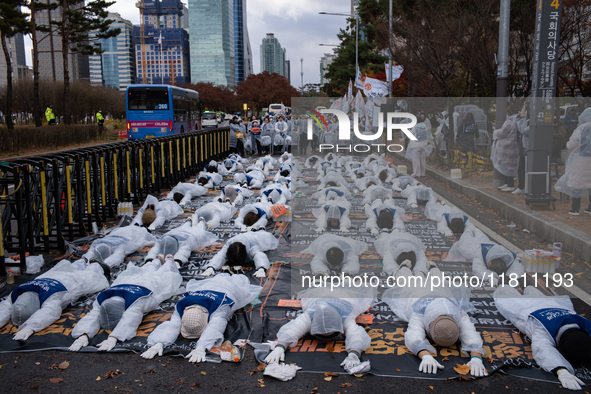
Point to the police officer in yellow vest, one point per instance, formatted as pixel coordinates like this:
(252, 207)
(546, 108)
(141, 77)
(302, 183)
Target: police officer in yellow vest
(100, 119)
(50, 116)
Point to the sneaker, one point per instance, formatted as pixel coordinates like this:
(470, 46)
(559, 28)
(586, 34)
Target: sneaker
(573, 212)
(518, 191)
(508, 189)
(502, 187)
(588, 210)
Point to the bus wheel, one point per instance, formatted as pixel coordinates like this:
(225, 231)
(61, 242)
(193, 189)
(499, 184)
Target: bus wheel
(182, 129)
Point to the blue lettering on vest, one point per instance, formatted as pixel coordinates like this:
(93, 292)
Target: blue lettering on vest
(45, 287)
(554, 318)
(210, 300)
(130, 293)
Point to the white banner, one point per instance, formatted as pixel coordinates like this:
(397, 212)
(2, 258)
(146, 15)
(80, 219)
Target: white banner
(396, 72)
(350, 91)
(359, 104)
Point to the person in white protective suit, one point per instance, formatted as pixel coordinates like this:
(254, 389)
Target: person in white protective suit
(244, 248)
(121, 308)
(358, 173)
(282, 176)
(401, 183)
(254, 216)
(332, 157)
(311, 161)
(438, 313)
(164, 210)
(367, 181)
(181, 241)
(285, 158)
(252, 179)
(281, 138)
(386, 174)
(384, 215)
(335, 253)
(351, 164)
(213, 214)
(559, 336)
(322, 165)
(399, 248)
(213, 167)
(375, 192)
(418, 150)
(185, 192)
(336, 212)
(418, 195)
(450, 220)
(489, 259)
(275, 194)
(37, 304)
(203, 313)
(237, 157)
(328, 315)
(120, 242)
(333, 179)
(331, 193)
(233, 194)
(209, 180)
(374, 158)
(232, 165)
(576, 180)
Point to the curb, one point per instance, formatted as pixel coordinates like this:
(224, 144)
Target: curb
(550, 230)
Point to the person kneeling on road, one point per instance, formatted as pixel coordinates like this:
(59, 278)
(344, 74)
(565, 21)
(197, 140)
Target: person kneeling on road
(450, 220)
(335, 253)
(333, 212)
(213, 214)
(184, 192)
(254, 216)
(203, 313)
(385, 216)
(154, 213)
(398, 248)
(436, 312)
(244, 248)
(121, 308)
(329, 315)
(37, 304)
(559, 336)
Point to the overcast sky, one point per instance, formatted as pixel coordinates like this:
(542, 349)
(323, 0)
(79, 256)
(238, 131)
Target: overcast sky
(296, 24)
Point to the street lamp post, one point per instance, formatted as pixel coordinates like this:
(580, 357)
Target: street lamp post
(356, 16)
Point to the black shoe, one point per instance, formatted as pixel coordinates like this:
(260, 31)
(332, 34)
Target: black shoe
(573, 212)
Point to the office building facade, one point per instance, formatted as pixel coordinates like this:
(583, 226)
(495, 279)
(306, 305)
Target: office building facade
(16, 51)
(115, 67)
(242, 50)
(212, 47)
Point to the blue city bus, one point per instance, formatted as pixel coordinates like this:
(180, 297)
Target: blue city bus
(159, 110)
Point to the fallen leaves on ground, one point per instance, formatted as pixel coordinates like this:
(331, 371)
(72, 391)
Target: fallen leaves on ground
(328, 378)
(64, 365)
(344, 385)
(56, 380)
(462, 369)
(112, 374)
(98, 378)
(203, 373)
(331, 374)
(261, 367)
(314, 390)
(261, 383)
(445, 359)
(431, 387)
(34, 387)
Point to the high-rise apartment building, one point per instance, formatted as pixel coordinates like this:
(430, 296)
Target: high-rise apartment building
(273, 56)
(115, 67)
(211, 23)
(50, 49)
(162, 50)
(16, 50)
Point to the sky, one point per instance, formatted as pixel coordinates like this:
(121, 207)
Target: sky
(296, 24)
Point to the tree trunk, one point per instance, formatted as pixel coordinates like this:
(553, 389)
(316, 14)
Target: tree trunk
(65, 64)
(8, 113)
(36, 103)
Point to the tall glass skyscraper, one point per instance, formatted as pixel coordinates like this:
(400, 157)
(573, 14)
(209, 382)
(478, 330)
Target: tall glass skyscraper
(242, 49)
(116, 66)
(212, 46)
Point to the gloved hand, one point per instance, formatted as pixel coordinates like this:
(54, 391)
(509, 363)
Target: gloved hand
(494, 281)
(244, 229)
(344, 229)
(477, 367)
(23, 334)
(414, 205)
(260, 273)
(209, 226)
(448, 233)
(151, 227)
(208, 272)
(154, 350)
(79, 343)
(429, 364)
(351, 361)
(197, 355)
(568, 380)
(320, 229)
(278, 354)
(107, 344)
(374, 231)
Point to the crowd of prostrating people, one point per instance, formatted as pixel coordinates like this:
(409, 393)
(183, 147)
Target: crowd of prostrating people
(560, 337)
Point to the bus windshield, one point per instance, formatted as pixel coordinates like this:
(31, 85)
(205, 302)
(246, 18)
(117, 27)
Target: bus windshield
(148, 99)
